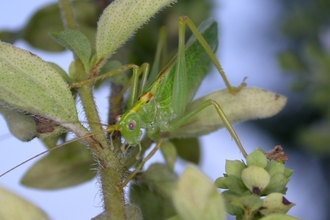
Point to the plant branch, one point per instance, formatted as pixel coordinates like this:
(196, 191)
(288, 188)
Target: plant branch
(110, 169)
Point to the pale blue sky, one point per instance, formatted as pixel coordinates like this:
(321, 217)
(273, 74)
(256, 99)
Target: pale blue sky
(246, 50)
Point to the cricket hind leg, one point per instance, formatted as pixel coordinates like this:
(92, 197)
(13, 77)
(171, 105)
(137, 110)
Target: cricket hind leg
(189, 115)
(184, 20)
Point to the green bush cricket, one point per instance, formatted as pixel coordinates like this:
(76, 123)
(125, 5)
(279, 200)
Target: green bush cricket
(161, 106)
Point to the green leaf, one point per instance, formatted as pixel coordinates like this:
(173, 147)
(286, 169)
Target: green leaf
(51, 142)
(22, 126)
(234, 168)
(279, 216)
(64, 167)
(120, 20)
(61, 72)
(44, 21)
(48, 19)
(109, 66)
(26, 127)
(221, 182)
(14, 207)
(234, 184)
(229, 197)
(29, 84)
(160, 178)
(290, 61)
(133, 212)
(195, 197)
(257, 158)
(249, 103)
(9, 36)
(174, 218)
(77, 42)
(277, 184)
(152, 204)
(169, 152)
(153, 192)
(188, 149)
(248, 203)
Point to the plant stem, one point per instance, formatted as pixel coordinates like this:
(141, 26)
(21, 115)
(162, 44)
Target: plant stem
(110, 169)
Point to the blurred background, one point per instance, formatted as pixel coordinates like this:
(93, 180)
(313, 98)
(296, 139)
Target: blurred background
(282, 46)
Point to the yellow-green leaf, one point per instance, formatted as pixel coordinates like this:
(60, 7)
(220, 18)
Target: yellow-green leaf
(14, 207)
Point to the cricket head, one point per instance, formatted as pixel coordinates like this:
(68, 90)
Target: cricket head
(130, 128)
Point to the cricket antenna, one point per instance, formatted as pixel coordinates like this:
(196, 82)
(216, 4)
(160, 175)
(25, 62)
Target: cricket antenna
(24, 162)
(110, 128)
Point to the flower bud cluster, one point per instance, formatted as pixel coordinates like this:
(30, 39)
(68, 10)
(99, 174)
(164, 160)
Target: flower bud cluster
(255, 189)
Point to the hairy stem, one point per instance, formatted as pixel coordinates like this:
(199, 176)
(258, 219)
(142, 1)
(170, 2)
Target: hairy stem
(110, 169)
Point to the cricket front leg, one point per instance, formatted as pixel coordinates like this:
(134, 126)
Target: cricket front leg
(138, 168)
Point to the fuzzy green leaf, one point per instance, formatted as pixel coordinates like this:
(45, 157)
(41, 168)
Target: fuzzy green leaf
(120, 20)
(77, 42)
(29, 84)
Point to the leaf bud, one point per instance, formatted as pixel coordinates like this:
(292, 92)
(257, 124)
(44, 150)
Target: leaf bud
(275, 203)
(255, 179)
(257, 158)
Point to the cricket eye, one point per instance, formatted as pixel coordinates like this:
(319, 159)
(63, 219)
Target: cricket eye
(132, 125)
(117, 118)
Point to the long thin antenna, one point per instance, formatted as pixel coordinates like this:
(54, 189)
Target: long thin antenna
(31, 158)
(108, 129)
